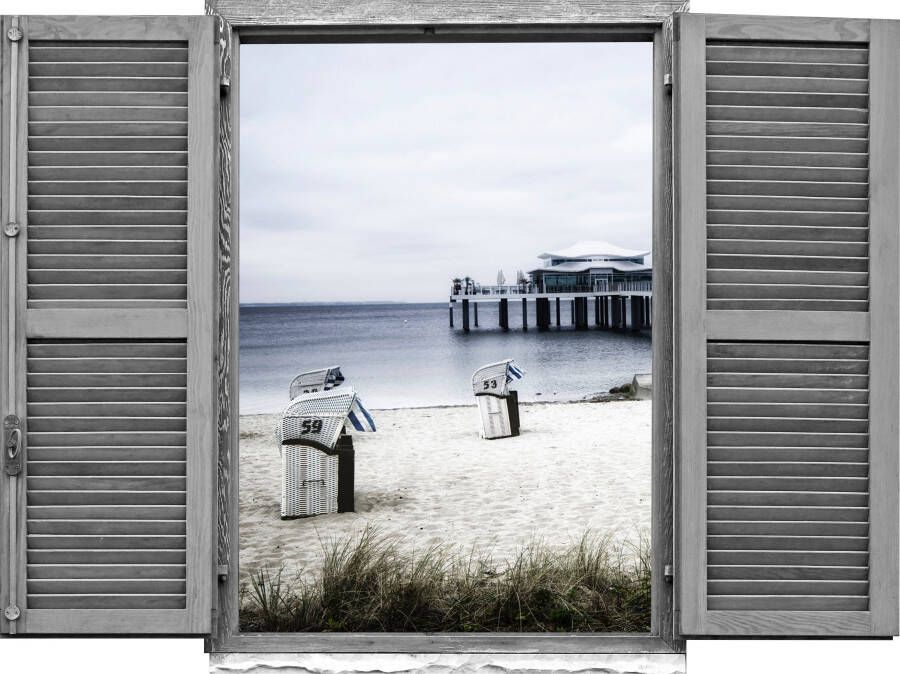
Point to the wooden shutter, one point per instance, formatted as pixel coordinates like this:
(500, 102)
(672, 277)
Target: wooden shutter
(788, 215)
(112, 349)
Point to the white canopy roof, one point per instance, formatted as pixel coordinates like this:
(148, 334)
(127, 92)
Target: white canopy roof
(594, 249)
(578, 266)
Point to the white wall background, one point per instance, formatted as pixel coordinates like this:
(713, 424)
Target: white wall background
(139, 656)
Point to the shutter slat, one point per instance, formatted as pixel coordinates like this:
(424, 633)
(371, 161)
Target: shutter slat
(740, 112)
(87, 69)
(781, 69)
(104, 601)
(105, 571)
(800, 129)
(782, 82)
(106, 129)
(103, 497)
(70, 247)
(797, 409)
(107, 453)
(787, 233)
(124, 468)
(130, 188)
(786, 53)
(88, 586)
(101, 527)
(781, 573)
(113, 98)
(784, 497)
(786, 514)
(741, 202)
(824, 174)
(786, 468)
(108, 175)
(821, 454)
(786, 603)
(90, 277)
(106, 556)
(107, 143)
(129, 112)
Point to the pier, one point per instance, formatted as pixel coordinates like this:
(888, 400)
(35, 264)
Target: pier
(625, 308)
(615, 280)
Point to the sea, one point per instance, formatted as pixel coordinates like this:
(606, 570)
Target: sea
(406, 355)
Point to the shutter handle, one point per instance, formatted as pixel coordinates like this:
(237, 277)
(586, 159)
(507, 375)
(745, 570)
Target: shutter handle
(13, 443)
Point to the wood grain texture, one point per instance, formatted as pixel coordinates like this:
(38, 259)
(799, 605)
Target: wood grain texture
(227, 637)
(242, 13)
(662, 465)
(227, 625)
(225, 321)
(159, 474)
(408, 642)
(788, 325)
(735, 27)
(690, 224)
(885, 324)
(201, 346)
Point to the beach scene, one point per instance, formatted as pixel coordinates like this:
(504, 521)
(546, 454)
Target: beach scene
(443, 428)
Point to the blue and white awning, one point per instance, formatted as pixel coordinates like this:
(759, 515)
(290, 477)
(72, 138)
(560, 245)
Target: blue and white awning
(513, 371)
(360, 418)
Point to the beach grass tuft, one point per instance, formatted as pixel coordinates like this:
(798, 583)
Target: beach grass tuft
(367, 583)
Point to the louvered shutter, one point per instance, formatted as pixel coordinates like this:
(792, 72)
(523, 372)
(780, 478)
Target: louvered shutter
(112, 348)
(788, 215)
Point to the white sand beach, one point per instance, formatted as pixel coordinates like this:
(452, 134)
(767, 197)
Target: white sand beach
(427, 478)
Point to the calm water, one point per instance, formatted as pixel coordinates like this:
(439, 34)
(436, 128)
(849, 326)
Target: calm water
(405, 355)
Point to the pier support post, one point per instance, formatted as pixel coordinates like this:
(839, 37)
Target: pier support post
(616, 311)
(465, 315)
(581, 313)
(636, 313)
(597, 312)
(542, 312)
(504, 314)
(525, 314)
(648, 313)
(604, 313)
(475, 307)
(557, 312)
(451, 315)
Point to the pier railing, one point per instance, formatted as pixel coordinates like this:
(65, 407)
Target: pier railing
(526, 289)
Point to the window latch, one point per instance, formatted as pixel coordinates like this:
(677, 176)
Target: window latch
(12, 441)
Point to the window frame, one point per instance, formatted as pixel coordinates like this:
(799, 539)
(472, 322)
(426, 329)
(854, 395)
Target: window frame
(250, 23)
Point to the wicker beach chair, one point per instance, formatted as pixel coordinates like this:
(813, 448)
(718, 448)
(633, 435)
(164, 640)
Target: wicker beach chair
(498, 404)
(316, 380)
(317, 471)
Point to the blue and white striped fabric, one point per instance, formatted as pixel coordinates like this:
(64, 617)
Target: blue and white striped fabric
(360, 418)
(513, 371)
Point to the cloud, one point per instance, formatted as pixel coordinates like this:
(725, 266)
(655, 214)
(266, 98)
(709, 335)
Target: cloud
(379, 172)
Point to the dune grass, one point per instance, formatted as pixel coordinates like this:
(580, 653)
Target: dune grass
(368, 584)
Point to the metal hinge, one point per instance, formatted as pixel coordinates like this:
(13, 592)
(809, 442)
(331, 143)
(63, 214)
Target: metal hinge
(668, 573)
(667, 82)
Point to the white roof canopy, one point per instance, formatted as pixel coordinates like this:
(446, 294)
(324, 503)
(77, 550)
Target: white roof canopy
(596, 250)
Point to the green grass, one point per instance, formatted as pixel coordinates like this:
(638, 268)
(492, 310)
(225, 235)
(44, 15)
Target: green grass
(368, 584)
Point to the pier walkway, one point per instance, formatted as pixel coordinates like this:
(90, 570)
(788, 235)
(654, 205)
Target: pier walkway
(628, 307)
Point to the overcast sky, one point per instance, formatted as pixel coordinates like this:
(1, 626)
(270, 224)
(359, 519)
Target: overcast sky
(380, 172)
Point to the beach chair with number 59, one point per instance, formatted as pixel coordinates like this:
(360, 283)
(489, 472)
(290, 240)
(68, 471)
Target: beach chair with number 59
(317, 460)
